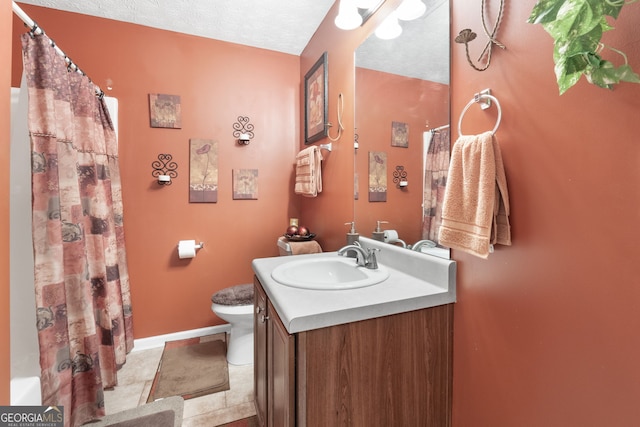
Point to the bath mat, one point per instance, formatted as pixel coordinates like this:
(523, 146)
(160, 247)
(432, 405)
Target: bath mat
(191, 368)
(245, 422)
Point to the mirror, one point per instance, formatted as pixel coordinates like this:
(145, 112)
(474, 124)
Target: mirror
(401, 95)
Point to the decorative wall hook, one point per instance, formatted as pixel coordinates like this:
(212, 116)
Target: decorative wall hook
(164, 169)
(243, 130)
(400, 177)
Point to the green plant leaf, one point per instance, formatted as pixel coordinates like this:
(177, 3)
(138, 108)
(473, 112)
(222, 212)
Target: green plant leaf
(575, 18)
(579, 45)
(545, 11)
(612, 8)
(568, 71)
(627, 74)
(605, 74)
(576, 27)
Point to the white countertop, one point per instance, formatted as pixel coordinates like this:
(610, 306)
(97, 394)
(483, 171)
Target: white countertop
(423, 282)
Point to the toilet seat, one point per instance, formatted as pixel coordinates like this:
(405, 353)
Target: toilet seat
(234, 295)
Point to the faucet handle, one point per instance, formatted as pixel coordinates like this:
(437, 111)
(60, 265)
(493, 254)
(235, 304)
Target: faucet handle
(372, 261)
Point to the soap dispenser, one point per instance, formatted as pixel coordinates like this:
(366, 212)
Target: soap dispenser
(352, 235)
(378, 234)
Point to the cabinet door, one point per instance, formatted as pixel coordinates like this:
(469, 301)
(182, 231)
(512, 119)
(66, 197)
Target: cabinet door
(260, 354)
(281, 371)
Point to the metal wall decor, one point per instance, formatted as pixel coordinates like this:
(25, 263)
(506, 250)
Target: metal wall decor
(164, 169)
(400, 177)
(243, 130)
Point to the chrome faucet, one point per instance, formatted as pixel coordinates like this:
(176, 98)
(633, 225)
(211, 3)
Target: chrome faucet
(420, 243)
(364, 259)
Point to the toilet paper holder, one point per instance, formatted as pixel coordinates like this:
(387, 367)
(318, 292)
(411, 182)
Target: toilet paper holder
(197, 245)
(188, 248)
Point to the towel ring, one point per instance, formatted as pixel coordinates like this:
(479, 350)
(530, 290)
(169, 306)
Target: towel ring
(475, 100)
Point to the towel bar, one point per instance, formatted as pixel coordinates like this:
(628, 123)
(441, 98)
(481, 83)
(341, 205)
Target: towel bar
(325, 147)
(477, 99)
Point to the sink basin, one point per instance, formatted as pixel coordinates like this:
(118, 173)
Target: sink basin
(327, 274)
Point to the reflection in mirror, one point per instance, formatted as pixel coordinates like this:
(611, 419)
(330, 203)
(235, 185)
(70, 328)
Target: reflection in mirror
(401, 120)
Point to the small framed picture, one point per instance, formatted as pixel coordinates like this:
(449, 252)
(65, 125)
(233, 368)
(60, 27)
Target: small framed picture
(245, 184)
(315, 101)
(399, 134)
(164, 111)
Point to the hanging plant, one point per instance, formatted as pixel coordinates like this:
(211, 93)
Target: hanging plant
(577, 27)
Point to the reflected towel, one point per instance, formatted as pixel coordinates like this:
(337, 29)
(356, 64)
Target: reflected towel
(308, 172)
(300, 248)
(475, 212)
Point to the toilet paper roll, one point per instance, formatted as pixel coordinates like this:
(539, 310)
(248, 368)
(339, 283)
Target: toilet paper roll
(186, 249)
(390, 235)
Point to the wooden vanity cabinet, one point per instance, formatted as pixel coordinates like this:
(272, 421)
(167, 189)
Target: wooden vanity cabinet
(274, 363)
(388, 371)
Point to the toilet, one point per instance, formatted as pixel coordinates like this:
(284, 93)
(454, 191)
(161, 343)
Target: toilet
(235, 306)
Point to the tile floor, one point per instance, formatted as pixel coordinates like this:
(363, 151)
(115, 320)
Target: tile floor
(136, 376)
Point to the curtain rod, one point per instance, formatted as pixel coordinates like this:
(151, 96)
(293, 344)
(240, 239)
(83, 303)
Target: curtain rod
(439, 128)
(37, 30)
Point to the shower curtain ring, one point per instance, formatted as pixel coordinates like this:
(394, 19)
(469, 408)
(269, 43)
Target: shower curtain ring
(34, 28)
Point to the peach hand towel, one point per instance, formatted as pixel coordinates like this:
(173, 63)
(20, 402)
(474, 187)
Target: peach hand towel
(308, 172)
(476, 203)
(306, 247)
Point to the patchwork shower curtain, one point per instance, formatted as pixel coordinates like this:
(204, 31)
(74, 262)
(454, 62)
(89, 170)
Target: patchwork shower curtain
(82, 286)
(436, 165)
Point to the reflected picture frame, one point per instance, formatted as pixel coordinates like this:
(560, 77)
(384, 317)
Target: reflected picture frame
(315, 101)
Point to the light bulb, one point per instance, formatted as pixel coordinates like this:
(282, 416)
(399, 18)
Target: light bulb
(348, 17)
(389, 28)
(410, 9)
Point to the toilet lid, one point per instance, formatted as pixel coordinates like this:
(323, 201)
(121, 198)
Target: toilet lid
(234, 295)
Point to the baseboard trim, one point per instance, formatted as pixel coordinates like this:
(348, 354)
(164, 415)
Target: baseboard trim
(159, 340)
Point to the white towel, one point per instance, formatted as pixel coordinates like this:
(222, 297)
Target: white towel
(308, 172)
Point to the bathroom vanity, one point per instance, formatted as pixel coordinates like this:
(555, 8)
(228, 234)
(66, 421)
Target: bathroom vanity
(377, 355)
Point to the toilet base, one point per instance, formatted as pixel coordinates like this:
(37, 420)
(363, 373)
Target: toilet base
(240, 346)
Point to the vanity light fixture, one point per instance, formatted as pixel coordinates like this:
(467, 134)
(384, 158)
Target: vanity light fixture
(243, 130)
(389, 28)
(407, 11)
(348, 17)
(354, 13)
(410, 10)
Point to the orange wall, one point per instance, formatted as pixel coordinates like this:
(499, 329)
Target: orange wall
(546, 331)
(217, 82)
(5, 120)
(334, 206)
(382, 98)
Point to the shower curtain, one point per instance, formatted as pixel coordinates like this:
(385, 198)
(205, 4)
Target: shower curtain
(83, 306)
(436, 168)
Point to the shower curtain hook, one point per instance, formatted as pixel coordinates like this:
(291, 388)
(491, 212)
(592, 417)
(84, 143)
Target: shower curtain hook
(34, 28)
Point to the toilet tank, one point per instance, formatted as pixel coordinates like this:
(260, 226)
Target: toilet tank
(284, 247)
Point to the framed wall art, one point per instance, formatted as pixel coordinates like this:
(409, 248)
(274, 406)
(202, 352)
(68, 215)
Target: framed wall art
(203, 171)
(165, 111)
(245, 184)
(315, 101)
(399, 134)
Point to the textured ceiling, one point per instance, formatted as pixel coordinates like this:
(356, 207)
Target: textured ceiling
(422, 51)
(280, 25)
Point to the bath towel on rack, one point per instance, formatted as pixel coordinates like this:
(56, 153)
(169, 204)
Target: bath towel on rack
(309, 172)
(475, 212)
